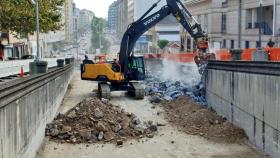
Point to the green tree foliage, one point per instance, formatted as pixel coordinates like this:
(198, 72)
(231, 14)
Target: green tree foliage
(98, 33)
(162, 43)
(19, 16)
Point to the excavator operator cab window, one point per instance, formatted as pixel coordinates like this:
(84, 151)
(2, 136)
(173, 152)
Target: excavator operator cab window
(137, 68)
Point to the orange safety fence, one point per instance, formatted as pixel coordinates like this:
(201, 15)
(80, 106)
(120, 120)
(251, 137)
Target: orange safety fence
(223, 54)
(274, 54)
(181, 57)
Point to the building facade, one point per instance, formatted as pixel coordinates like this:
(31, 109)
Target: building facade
(112, 17)
(130, 11)
(76, 18)
(235, 23)
(122, 14)
(68, 19)
(85, 18)
(167, 29)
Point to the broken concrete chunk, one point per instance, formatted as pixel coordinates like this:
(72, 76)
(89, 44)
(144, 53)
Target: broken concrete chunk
(85, 134)
(72, 114)
(155, 99)
(136, 121)
(98, 114)
(100, 135)
(118, 128)
(101, 127)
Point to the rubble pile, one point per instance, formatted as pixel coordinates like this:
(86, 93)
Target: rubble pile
(169, 90)
(192, 119)
(94, 121)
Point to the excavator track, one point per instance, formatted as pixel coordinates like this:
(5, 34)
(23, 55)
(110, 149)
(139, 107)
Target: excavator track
(139, 90)
(104, 90)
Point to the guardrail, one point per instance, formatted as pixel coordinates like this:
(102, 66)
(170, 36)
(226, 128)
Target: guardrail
(256, 67)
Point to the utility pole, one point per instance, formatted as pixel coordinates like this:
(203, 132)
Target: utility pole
(274, 18)
(260, 23)
(239, 23)
(77, 44)
(37, 31)
(100, 44)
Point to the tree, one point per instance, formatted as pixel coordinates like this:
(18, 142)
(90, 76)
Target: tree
(19, 16)
(162, 43)
(98, 27)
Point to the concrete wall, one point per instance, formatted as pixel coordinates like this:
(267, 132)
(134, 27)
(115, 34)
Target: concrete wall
(13, 67)
(22, 122)
(247, 94)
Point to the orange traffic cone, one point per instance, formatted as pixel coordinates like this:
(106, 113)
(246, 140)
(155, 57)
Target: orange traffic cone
(21, 72)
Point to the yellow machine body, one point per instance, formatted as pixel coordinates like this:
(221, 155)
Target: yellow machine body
(100, 72)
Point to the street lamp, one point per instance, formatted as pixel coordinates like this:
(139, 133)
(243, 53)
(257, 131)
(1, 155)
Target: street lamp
(37, 31)
(36, 2)
(37, 66)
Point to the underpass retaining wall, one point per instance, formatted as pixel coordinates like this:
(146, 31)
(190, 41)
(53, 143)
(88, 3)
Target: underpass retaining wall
(247, 94)
(13, 67)
(23, 120)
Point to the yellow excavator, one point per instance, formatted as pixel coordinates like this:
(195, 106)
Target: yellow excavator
(128, 73)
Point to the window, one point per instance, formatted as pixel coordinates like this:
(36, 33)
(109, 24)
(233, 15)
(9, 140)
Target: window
(199, 19)
(224, 43)
(232, 44)
(249, 17)
(224, 23)
(205, 22)
(225, 3)
(258, 44)
(247, 44)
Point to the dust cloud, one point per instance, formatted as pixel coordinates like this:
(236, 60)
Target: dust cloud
(175, 71)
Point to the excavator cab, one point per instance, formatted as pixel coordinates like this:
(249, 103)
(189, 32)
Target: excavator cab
(136, 68)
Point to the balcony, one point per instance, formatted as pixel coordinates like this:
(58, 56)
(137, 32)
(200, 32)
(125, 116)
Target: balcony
(266, 29)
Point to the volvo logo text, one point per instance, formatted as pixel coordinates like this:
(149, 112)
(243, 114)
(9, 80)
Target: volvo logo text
(152, 19)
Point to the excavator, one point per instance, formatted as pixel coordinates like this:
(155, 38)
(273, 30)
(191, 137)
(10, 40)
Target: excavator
(128, 73)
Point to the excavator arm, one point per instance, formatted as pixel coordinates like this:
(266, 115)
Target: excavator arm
(139, 27)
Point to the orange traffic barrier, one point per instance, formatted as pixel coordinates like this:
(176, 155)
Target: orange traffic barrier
(21, 72)
(223, 54)
(274, 54)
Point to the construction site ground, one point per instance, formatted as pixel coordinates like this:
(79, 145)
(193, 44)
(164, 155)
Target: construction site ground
(169, 142)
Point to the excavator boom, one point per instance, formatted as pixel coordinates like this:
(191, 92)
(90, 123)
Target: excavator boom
(137, 28)
(126, 74)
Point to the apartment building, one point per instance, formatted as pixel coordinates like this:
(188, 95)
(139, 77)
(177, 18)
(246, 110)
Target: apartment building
(68, 19)
(85, 18)
(234, 23)
(122, 14)
(112, 17)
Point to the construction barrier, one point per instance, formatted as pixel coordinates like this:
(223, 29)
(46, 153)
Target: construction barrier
(223, 55)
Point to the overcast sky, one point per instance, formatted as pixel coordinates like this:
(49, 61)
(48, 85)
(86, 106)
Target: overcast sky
(99, 7)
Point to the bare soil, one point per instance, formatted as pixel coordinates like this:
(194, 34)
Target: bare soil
(192, 119)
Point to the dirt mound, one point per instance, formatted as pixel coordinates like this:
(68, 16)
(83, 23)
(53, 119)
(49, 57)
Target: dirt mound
(192, 119)
(94, 121)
